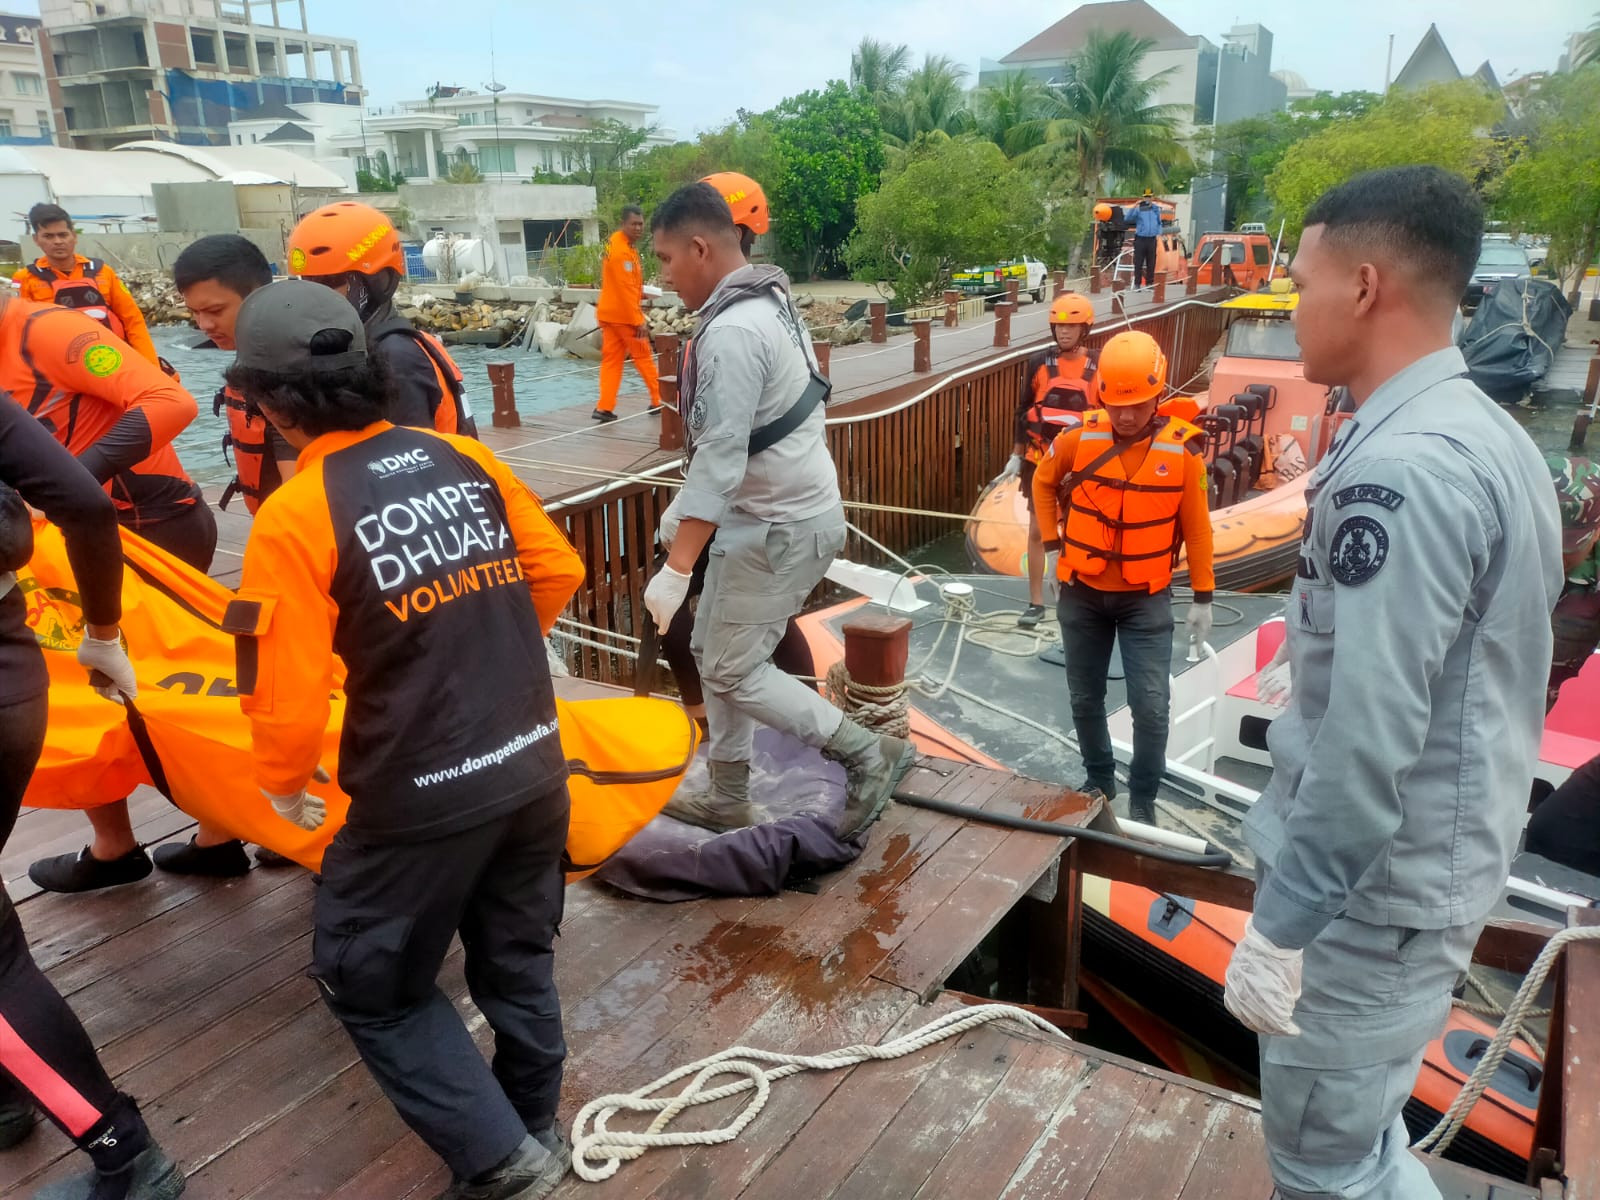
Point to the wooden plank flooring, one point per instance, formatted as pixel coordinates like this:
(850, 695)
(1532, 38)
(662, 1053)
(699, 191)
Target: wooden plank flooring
(194, 992)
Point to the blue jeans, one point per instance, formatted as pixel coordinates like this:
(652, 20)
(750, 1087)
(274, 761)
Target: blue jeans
(1091, 622)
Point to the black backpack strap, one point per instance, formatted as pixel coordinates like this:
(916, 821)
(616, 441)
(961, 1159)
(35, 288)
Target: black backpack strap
(47, 274)
(1100, 460)
(93, 267)
(774, 431)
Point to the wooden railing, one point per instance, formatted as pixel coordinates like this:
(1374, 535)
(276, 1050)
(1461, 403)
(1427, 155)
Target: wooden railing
(933, 453)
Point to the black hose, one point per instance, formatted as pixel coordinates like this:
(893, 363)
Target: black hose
(1213, 856)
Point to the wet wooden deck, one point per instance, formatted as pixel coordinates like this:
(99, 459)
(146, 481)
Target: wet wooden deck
(194, 992)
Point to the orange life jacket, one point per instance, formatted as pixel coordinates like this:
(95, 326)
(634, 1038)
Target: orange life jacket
(1110, 517)
(255, 470)
(1061, 391)
(452, 415)
(82, 292)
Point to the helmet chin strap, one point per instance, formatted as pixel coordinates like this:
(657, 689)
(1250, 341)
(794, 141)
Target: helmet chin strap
(369, 293)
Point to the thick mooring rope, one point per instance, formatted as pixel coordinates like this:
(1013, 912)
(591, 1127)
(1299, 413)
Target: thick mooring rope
(1438, 1140)
(598, 1151)
(883, 709)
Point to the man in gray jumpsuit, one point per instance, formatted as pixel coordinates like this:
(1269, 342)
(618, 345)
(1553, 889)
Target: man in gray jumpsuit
(1418, 642)
(761, 488)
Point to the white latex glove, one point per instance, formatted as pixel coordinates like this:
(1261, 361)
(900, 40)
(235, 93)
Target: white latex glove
(302, 808)
(1198, 622)
(668, 529)
(1273, 685)
(1013, 467)
(665, 595)
(1052, 580)
(110, 659)
(1263, 984)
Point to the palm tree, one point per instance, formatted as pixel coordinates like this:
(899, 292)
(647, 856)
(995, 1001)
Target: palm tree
(1588, 47)
(932, 98)
(1009, 110)
(1104, 109)
(878, 68)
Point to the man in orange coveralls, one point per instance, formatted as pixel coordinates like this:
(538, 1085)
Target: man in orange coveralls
(117, 413)
(620, 312)
(432, 571)
(63, 276)
(1116, 497)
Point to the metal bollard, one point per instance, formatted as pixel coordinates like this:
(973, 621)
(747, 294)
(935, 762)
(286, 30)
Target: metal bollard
(922, 347)
(823, 349)
(501, 375)
(666, 348)
(1160, 294)
(1002, 322)
(671, 434)
(1191, 282)
(1013, 290)
(952, 308)
(880, 321)
(1060, 278)
(1095, 282)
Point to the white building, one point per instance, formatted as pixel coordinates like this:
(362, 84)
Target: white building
(509, 137)
(24, 102)
(512, 222)
(309, 130)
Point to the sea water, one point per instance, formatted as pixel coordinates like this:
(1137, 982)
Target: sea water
(542, 384)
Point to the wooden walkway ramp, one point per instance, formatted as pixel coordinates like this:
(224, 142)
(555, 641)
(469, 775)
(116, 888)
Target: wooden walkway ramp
(195, 993)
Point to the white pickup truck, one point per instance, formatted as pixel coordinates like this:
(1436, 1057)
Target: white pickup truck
(990, 279)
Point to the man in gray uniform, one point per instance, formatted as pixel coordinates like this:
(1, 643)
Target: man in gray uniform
(1418, 641)
(761, 488)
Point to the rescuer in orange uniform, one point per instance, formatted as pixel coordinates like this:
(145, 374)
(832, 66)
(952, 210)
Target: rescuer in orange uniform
(623, 330)
(65, 277)
(1119, 496)
(354, 249)
(214, 275)
(1058, 387)
(117, 413)
(434, 574)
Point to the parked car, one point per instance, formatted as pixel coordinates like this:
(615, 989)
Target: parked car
(1498, 261)
(991, 278)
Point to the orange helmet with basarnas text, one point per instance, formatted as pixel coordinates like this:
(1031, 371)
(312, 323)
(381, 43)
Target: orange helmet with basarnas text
(1072, 308)
(345, 237)
(745, 199)
(1132, 369)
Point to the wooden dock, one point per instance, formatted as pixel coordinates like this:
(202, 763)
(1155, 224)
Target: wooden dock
(194, 991)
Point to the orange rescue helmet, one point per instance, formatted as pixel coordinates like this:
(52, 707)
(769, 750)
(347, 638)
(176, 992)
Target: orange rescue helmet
(1102, 212)
(1072, 308)
(745, 199)
(1131, 369)
(344, 237)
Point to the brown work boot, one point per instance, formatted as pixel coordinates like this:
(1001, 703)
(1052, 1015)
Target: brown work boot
(873, 764)
(722, 806)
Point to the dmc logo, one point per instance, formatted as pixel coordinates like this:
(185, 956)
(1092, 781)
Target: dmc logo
(406, 463)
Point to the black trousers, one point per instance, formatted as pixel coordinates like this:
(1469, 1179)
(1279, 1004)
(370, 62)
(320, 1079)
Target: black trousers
(1565, 828)
(191, 536)
(1144, 261)
(44, 1052)
(792, 656)
(385, 913)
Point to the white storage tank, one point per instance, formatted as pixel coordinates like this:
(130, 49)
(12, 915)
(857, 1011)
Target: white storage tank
(450, 257)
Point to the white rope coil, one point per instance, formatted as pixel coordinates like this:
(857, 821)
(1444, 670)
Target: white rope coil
(1438, 1140)
(599, 1151)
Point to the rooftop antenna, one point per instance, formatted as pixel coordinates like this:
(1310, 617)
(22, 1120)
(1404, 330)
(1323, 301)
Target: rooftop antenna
(1388, 63)
(495, 87)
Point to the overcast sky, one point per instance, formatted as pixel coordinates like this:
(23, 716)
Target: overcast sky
(701, 60)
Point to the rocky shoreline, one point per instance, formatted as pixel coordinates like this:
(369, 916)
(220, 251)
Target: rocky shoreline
(496, 321)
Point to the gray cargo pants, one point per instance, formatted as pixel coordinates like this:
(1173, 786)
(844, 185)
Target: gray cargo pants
(1373, 997)
(759, 576)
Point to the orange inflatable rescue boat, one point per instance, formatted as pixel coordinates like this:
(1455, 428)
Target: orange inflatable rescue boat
(1265, 428)
(187, 736)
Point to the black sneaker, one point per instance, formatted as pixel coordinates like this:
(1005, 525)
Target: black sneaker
(16, 1123)
(601, 415)
(150, 1176)
(272, 860)
(1031, 616)
(553, 1140)
(1090, 788)
(655, 409)
(530, 1173)
(83, 872)
(223, 860)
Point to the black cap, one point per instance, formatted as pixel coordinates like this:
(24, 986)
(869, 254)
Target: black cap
(296, 325)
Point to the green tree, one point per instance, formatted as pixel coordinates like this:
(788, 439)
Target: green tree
(1246, 152)
(827, 151)
(604, 148)
(1448, 125)
(953, 203)
(1553, 187)
(1588, 48)
(878, 68)
(1104, 110)
(1008, 111)
(932, 99)
(462, 170)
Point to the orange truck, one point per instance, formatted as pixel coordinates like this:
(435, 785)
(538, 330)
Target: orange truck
(1242, 260)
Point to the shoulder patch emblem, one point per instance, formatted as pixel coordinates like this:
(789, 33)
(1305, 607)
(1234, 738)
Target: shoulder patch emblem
(79, 344)
(101, 360)
(1360, 548)
(1368, 493)
(698, 416)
